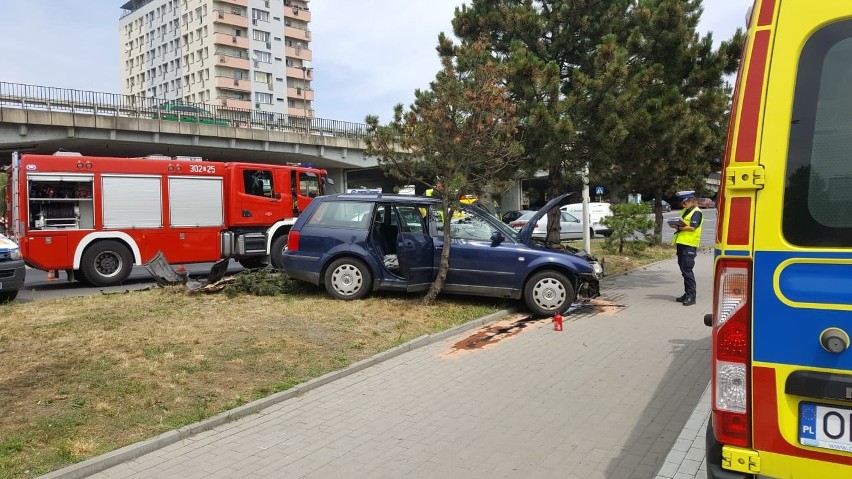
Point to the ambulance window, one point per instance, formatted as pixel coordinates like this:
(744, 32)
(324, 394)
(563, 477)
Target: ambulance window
(818, 193)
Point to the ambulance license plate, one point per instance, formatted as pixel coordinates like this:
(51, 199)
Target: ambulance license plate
(828, 427)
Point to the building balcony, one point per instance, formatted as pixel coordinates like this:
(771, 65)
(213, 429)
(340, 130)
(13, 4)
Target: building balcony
(301, 53)
(300, 112)
(298, 72)
(297, 34)
(232, 19)
(227, 83)
(297, 13)
(242, 3)
(303, 93)
(235, 103)
(231, 40)
(233, 62)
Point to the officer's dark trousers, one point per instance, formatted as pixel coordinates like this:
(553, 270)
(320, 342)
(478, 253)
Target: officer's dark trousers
(686, 261)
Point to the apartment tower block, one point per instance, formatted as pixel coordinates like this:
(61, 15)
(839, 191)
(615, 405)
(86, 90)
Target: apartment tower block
(234, 54)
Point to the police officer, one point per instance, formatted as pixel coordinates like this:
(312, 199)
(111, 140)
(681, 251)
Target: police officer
(687, 238)
(437, 191)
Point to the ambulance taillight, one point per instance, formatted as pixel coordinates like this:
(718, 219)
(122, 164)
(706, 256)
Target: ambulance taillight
(731, 348)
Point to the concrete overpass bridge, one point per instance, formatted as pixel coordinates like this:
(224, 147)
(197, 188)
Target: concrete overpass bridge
(37, 119)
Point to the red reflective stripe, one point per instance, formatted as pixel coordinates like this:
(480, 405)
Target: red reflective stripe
(747, 135)
(720, 205)
(739, 221)
(767, 11)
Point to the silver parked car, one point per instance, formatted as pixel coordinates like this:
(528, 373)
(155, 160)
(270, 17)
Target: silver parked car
(571, 228)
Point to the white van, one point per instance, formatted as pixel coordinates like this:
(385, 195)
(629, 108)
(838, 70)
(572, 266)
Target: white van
(597, 212)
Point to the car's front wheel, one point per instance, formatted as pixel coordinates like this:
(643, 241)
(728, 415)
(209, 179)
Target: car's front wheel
(547, 292)
(348, 278)
(8, 296)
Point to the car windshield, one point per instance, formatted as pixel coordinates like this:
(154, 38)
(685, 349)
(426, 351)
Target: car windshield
(475, 223)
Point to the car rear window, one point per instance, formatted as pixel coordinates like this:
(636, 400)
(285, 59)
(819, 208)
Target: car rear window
(342, 214)
(818, 194)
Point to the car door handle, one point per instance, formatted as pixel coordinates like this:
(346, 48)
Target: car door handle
(408, 244)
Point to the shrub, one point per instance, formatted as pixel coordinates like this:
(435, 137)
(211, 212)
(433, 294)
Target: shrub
(262, 282)
(631, 228)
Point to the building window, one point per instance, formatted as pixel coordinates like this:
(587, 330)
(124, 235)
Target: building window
(260, 35)
(261, 15)
(263, 98)
(261, 56)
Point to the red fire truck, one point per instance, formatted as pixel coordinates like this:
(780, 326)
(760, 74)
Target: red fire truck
(96, 217)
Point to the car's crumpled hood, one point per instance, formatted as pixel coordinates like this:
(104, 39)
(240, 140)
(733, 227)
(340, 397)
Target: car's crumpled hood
(525, 235)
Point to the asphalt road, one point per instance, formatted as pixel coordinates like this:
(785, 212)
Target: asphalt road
(37, 287)
(708, 229)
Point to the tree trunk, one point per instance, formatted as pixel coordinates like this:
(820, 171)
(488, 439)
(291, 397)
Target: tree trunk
(444, 264)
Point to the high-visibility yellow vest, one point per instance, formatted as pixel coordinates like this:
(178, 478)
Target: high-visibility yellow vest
(689, 238)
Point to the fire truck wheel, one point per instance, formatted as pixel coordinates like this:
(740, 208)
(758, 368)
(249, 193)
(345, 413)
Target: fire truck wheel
(106, 263)
(348, 278)
(277, 252)
(547, 292)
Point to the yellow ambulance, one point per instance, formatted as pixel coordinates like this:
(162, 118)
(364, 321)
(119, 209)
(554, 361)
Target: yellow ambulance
(782, 306)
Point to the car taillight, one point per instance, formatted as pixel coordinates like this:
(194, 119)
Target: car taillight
(293, 240)
(730, 351)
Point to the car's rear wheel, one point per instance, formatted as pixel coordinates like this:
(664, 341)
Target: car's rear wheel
(547, 292)
(348, 278)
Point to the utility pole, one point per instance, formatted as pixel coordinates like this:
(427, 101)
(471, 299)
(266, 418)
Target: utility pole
(587, 240)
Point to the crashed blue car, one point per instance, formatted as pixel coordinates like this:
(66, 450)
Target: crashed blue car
(357, 243)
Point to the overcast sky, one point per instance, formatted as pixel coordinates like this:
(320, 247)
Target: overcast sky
(368, 55)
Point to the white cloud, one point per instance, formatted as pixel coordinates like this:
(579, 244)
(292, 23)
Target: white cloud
(368, 55)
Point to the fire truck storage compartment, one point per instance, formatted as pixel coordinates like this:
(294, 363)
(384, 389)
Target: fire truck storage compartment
(196, 201)
(60, 202)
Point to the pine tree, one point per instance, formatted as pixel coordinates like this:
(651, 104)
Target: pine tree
(461, 130)
(677, 120)
(566, 63)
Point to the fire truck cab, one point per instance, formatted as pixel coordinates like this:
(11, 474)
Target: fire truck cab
(98, 216)
(782, 304)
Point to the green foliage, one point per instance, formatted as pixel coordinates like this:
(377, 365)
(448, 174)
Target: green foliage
(263, 282)
(630, 227)
(677, 115)
(566, 65)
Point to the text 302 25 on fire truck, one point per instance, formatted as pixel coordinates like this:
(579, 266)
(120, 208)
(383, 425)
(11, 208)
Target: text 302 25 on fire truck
(99, 216)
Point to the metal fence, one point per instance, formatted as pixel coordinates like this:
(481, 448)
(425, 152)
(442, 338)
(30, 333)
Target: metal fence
(34, 97)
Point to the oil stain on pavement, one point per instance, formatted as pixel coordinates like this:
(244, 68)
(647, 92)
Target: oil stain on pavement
(516, 323)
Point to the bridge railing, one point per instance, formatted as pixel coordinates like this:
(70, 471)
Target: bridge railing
(34, 97)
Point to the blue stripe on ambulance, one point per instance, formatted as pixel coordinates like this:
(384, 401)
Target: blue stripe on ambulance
(821, 297)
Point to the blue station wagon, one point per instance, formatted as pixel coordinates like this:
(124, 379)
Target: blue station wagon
(356, 243)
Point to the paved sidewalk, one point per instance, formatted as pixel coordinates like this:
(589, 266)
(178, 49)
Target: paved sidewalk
(610, 397)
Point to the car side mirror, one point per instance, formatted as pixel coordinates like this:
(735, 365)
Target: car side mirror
(496, 238)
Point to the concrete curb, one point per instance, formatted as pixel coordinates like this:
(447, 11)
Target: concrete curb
(132, 451)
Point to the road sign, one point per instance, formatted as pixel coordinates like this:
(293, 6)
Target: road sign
(599, 190)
